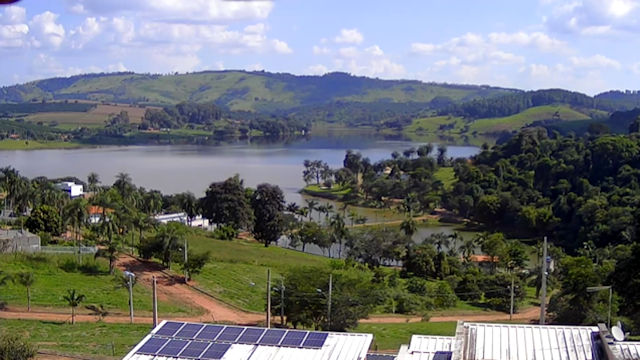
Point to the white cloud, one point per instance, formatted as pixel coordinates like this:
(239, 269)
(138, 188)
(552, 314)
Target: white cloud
(501, 57)
(321, 50)
(89, 29)
(318, 69)
(594, 17)
(595, 61)
(349, 36)
(255, 67)
(348, 52)
(186, 11)
(374, 50)
(281, 47)
(45, 30)
(13, 36)
(423, 48)
(636, 68)
(13, 15)
(259, 28)
(540, 40)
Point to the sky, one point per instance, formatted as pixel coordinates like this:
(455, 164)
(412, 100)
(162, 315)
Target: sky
(589, 46)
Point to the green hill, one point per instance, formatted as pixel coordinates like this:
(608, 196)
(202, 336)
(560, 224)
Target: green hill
(241, 90)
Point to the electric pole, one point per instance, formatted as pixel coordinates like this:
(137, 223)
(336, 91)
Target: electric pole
(543, 287)
(329, 302)
(268, 298)
(281, 301)
(155, 302)
(512, 293)
(186, 271)
(130, 277)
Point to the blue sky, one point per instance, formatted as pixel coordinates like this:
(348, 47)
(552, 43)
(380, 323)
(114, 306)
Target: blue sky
(584, 45)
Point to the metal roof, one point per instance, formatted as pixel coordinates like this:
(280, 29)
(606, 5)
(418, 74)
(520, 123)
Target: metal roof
(626, 350)
(529, 342)
(337, 346)
(424, 347)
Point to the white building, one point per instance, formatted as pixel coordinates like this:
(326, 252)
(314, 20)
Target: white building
(18, 241)
(182, 218)
(177, 340)
(74, 190)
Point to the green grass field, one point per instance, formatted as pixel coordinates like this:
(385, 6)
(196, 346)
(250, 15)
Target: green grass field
(391, 336)
(524, 118)
(237, 273)
(52, 282)
(96, 339)
(432, 124)
(10, 144)
(74, 118)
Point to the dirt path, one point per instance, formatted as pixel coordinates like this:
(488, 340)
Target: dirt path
(526, 315)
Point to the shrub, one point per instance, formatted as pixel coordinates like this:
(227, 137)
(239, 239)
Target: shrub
(225, 232)
(15, 347)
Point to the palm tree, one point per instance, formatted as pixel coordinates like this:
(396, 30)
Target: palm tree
(93, 180)
(26, 279)
(338, 231)
(439, 240)
(108, 229)
(409, 226)
(353, 216)
(468, 248)
(169, 235)
(312, 206)
(123, 184)
(73, 299)
(98, 310)
(189, 205)
(110, 252)
(453, 250)
(75, 214)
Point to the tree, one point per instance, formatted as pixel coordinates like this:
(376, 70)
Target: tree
(73, 299)
(195, 263)
(15, 347)
(44, 218)
(311, 233)
(93, 181)
(338, 231)
(98, 310)
(409, 226)
(124, 185)
(227, 203)
(75, 213)
(169, 237)
(189, 204)
(26, 279)
(268, 204)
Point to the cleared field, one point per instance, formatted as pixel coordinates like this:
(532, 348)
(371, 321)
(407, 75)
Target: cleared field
(433, 124)
(517, 121)
(136, 114)
(55, 274)
(9, 144)
(70, 118)
(391, 336)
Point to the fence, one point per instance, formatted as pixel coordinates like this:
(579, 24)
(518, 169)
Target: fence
(69, 249)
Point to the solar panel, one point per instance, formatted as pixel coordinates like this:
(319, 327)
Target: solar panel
(152, 345)
(210, 332)
(194, 349)
(251, 336)
(315, 340)
(216, 351)
(230, 334)
(293, 338)
(189, 331)
(169, 328)
(272, 337)
(173, 347)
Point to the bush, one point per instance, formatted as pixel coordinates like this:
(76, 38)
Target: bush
(442, 295)
(69, 265)
(225, 232)
(15, 347)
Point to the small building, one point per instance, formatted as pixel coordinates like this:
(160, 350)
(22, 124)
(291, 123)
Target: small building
(18, 241)
(95, 213)
(74, 190)
(182, 218)
(179, 340)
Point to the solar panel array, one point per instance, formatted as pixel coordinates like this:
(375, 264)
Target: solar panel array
(211, 342)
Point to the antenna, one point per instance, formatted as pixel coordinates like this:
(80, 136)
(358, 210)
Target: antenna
(617, 333)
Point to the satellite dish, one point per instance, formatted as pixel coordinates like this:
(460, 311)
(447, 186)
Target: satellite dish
(617, 333)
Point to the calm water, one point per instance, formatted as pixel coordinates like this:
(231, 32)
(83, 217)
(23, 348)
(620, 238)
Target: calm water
(173, 169)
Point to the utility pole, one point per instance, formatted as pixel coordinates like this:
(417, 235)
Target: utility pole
(268, 298)
(130, 277)
(186, 271)
(543, 288)
(512, 293)
(329, 302)
(281, 301)
(155, 302)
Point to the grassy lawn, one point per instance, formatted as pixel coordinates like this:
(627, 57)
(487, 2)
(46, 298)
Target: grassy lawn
(391, 336)
(237, 273)
(432, 124)
(9, 144)
(446, 175)
(76, 118)
(111, 340)
(336, 192)
(52, 283)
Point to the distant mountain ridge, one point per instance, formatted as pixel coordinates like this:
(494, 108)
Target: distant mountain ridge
(243, 90)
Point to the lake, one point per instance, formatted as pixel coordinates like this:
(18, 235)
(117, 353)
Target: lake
(174, 169)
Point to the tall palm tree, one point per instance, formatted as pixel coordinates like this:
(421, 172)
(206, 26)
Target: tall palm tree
(26, 279)
(439, 240)
(338, 231)
(109, 230)
(468, 248)
(124, 184)
(312, 206)
(409, 226)
(73, 299)
(76, 214)
(93, 181)
(189, 204)
(169, 236)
